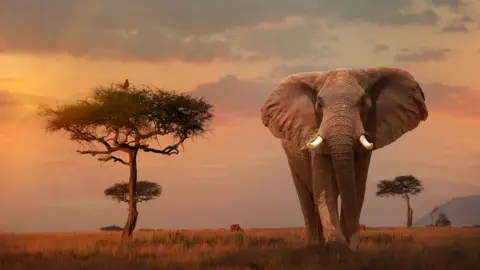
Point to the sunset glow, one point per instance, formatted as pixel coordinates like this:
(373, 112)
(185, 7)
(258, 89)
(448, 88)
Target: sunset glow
(233, 55)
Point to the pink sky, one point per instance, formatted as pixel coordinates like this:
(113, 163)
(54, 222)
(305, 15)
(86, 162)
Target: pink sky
(233, 54)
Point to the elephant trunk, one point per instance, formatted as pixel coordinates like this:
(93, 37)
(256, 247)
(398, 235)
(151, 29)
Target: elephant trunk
(341, 139)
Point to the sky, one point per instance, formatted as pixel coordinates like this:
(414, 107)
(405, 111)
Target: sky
(233, 53)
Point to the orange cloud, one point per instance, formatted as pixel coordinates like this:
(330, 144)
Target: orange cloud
(19, 107)
(456, 101)
(232, 96)
(422, 55)
(7, 80)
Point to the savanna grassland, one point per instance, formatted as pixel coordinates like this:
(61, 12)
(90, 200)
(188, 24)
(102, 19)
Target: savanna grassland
(416, 248)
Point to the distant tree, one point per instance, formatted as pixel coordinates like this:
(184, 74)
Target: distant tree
(122, 119)
(443, 220)
(433, 212)
(145, 191)
(404, 186)
(111, 228)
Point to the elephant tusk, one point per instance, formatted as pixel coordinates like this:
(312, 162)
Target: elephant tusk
(368, 145)
(315, 143)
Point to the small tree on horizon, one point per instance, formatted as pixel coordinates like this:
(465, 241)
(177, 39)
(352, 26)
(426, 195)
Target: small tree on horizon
(443, 220)
(404, 186)
(123, 119)
(145, 191)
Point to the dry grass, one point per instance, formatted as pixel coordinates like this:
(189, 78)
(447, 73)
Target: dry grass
(419, 248)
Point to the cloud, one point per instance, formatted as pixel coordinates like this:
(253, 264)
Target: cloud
(465, 19)
(17, 107)
(285, 42)
(6, 79)
(458, 101)
(281, 71)
(379, 48)
(463, 10)
(422, 55)
(233, 97)
(455, 28)
(452, 4)
(146, 44)
(160, 30)
(7, 99)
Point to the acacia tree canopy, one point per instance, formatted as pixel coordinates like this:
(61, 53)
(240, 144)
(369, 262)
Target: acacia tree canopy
(145, 191)
(125, 119)
(405, 185)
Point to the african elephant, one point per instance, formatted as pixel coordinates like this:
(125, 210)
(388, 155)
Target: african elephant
(236, 228)
(329, 123)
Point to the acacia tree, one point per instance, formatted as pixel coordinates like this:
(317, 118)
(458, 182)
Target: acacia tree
(404, 186)
(145, 191)
(123, 119)
(443, 220)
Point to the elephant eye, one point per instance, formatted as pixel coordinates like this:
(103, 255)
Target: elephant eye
(318, 106)
(319, 103)
(365, 102)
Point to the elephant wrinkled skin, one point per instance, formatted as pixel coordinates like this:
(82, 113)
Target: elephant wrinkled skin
(329, 123)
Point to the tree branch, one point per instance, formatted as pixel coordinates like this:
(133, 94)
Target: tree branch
(114, 159)
(105, 152)
(169, 150)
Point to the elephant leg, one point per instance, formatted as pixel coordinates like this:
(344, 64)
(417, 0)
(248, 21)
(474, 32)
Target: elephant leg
(326, 197)
(313, 227)
(301, 175)
(362, 163)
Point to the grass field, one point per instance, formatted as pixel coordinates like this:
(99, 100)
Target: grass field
(418, 248)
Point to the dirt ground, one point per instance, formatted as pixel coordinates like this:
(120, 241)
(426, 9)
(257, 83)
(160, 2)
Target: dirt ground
(416, 248)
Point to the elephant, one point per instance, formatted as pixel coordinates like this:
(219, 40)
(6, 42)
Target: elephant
(329, 123)
(236, 228)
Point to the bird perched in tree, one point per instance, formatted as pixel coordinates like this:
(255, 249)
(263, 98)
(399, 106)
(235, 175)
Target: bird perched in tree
(126, 84)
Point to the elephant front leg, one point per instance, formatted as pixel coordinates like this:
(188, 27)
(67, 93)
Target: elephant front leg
(326, 197)
(313, 227)
(362, 163)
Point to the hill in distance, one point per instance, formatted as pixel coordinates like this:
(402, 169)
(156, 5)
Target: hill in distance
(462, 211)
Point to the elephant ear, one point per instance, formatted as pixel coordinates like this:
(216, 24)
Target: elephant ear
(398, 105)
(289, 112)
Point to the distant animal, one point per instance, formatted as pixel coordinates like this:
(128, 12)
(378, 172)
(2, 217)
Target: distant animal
(235, 228)
(328, 124)
(362, 227)
(126, 84)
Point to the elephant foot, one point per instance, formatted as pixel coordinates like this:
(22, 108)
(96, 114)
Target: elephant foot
(354, 241)
(313, 238)
(335, 237)
(315, 241)
(338, 249)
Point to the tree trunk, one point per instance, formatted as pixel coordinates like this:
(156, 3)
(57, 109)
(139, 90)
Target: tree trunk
(409, 212)
(411, 218)
(132, 199)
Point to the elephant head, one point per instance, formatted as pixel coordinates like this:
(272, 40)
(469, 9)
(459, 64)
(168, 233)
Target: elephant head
(339, 112)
